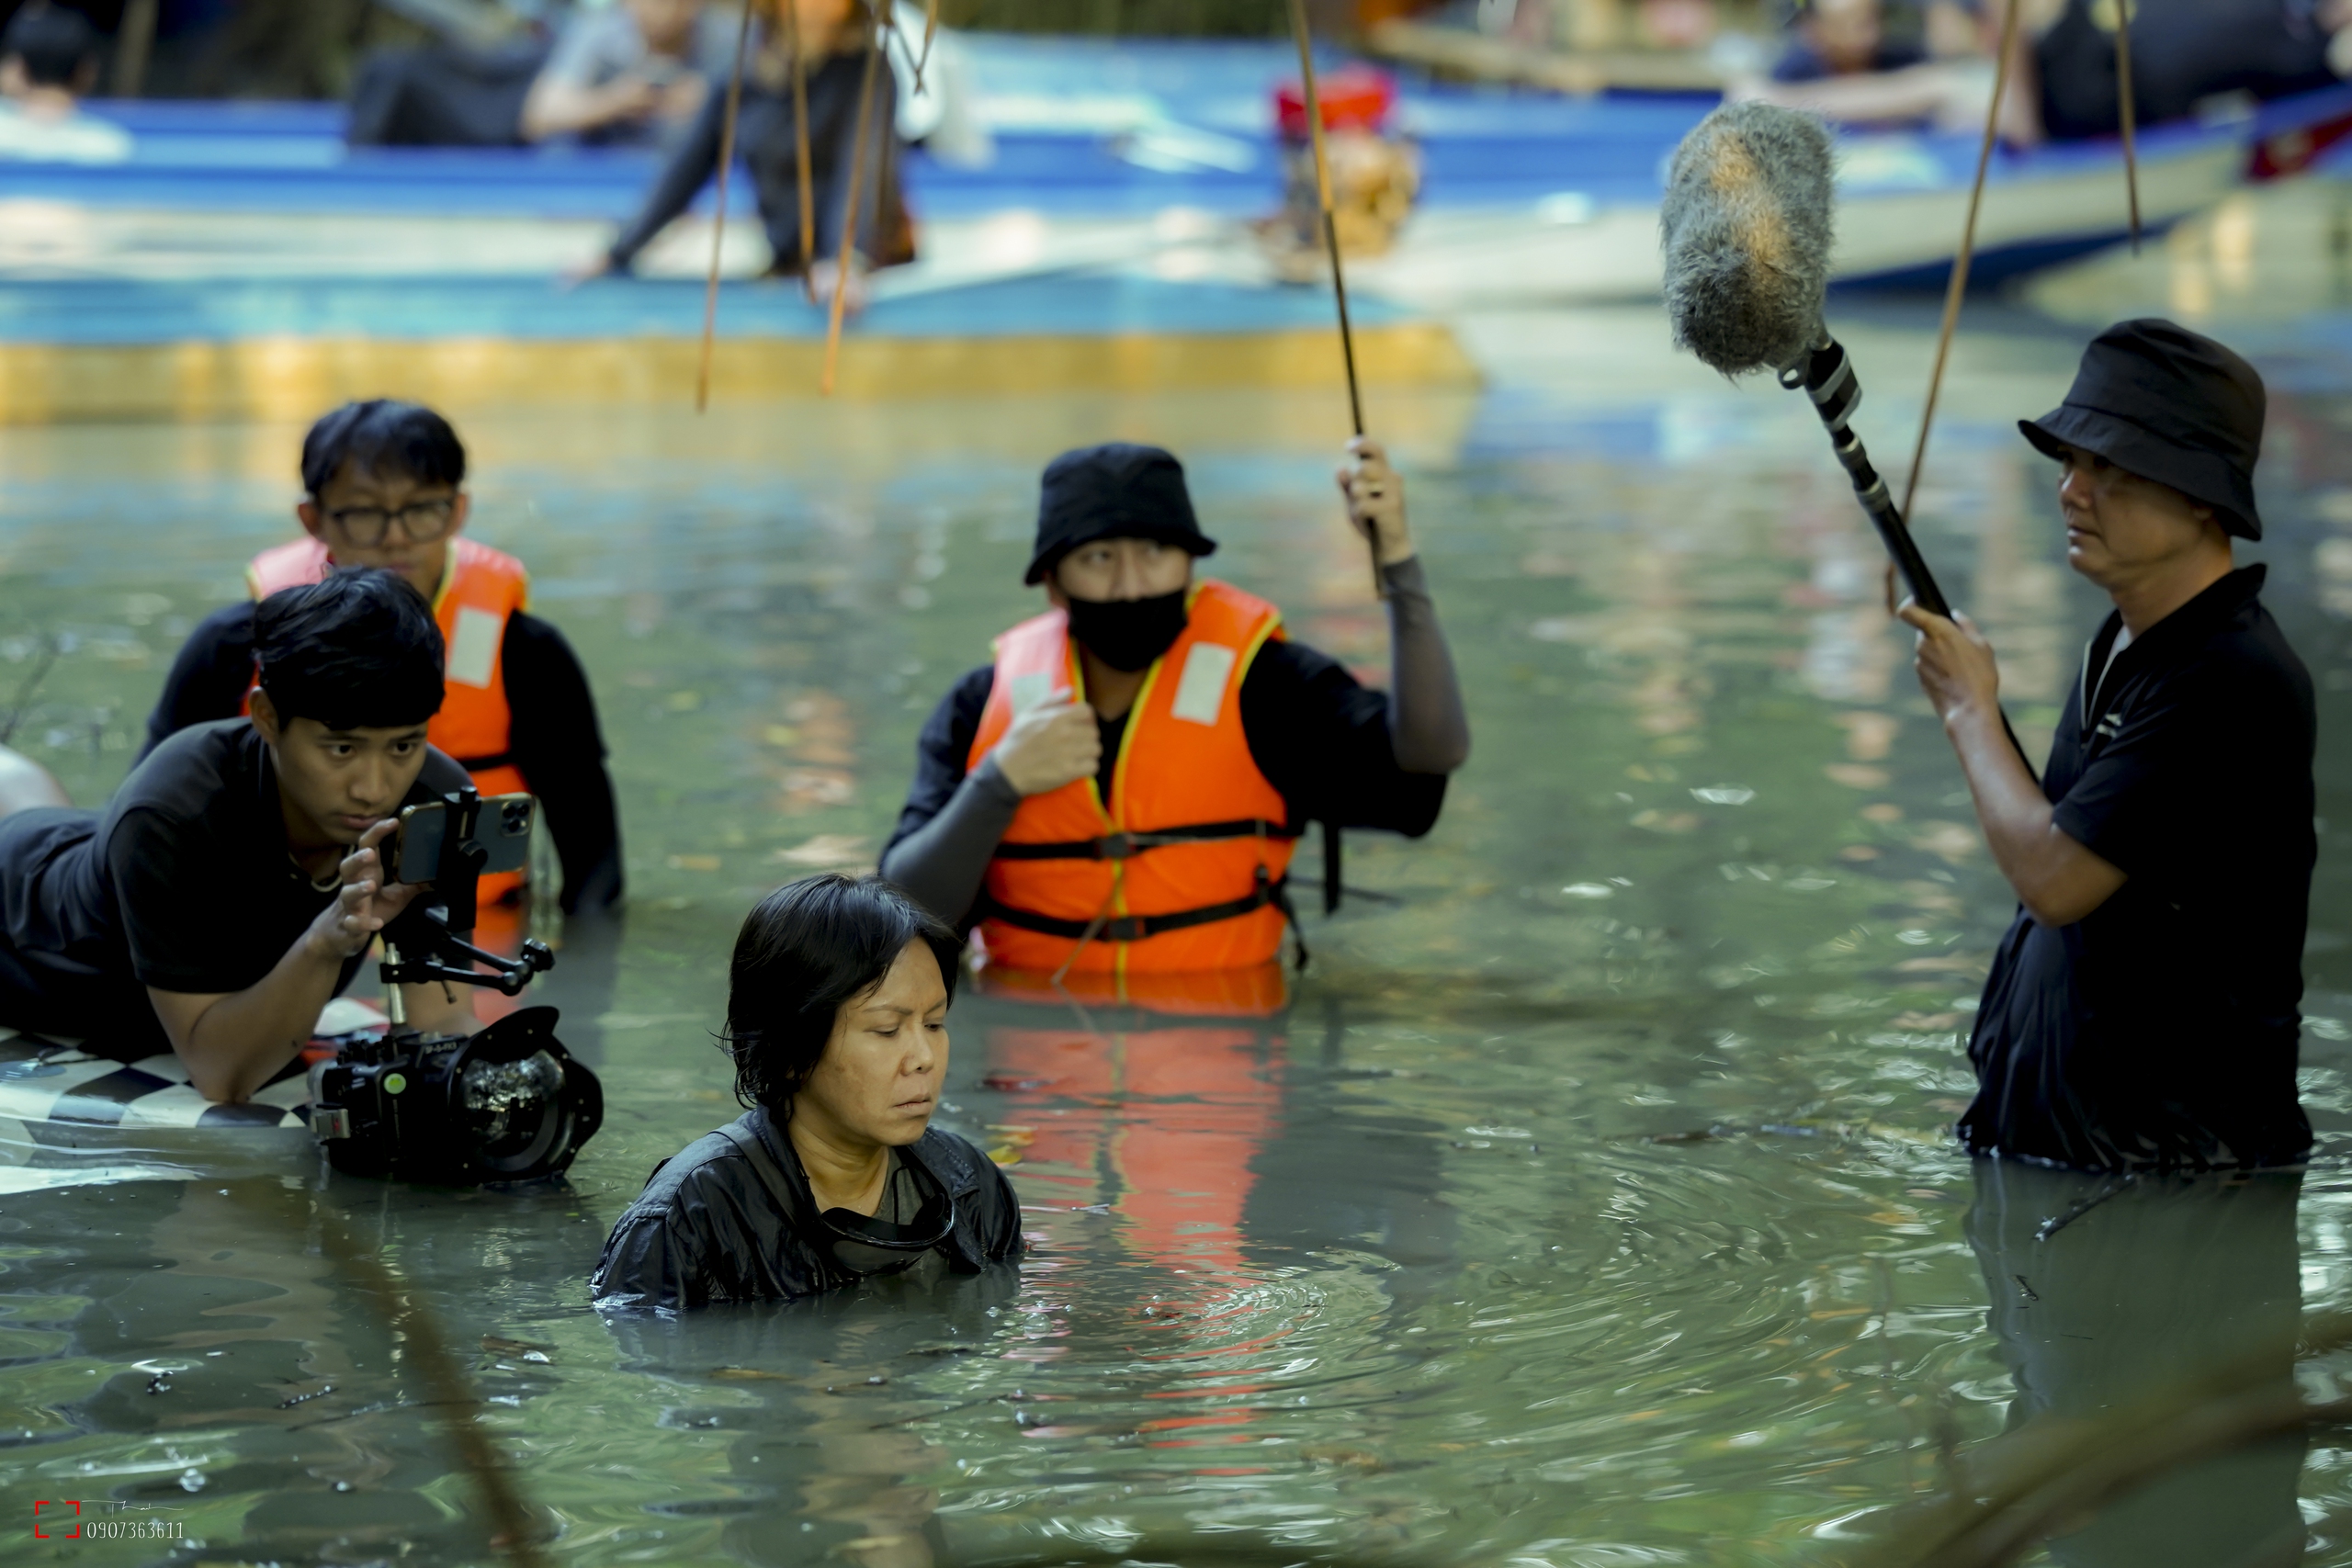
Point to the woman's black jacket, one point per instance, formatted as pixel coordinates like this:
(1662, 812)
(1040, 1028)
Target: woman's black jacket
(729, 1218)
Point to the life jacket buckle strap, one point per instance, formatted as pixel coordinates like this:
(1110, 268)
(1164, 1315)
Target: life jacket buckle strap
(1126, 845)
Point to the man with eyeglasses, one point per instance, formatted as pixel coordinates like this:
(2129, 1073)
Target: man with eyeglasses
(384, 482)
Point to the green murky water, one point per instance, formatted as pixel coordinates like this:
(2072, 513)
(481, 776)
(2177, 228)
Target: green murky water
(1405, 1268)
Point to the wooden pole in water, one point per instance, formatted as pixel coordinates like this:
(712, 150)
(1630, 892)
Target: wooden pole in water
(514, 1534)
(1957, 285)
(849, 205)
(1301, 36)
(2127, 114)
(800, 150)
(719, 223)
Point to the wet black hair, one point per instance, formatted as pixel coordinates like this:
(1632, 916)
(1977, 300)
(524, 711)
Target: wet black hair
(357, 651)
(805, 952)
(382, 435)
(53, 43)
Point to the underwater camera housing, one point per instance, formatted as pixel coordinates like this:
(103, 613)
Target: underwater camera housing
(505, 1104)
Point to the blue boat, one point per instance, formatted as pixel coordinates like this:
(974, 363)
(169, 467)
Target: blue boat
(1526, 196)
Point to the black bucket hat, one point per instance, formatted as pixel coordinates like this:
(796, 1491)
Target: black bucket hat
(1118, 490)
(2169, 405)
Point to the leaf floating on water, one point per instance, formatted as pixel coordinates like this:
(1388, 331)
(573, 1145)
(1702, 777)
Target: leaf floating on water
(751, 1374)
(522, 1347)
(1725, 794)
(1589, 890)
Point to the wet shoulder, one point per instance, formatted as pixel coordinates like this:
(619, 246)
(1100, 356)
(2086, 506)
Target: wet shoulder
(956, 1160)
(686, 1179)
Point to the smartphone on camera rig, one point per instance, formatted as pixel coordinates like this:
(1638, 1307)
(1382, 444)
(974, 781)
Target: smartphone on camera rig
(507, 1103)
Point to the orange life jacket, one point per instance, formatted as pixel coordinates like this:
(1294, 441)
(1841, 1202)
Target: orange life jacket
(1182, 869)
(479, 589)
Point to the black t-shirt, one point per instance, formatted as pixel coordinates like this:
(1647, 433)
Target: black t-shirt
(1318, 735)
(2160, 1030)
(553, 739)
(182, 884)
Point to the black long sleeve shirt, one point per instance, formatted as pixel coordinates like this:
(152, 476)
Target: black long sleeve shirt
(764, 136)
(554, 740)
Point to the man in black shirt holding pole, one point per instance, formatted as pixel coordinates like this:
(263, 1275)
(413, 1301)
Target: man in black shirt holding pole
(2141, 1012)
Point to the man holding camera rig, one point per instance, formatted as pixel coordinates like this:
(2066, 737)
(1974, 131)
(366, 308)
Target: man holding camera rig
(233, 885)
(384, 488)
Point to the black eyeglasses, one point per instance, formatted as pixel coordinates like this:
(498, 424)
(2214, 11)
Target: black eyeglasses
(421, 521)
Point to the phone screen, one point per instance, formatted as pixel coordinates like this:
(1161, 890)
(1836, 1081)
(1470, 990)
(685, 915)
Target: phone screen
(503, 829)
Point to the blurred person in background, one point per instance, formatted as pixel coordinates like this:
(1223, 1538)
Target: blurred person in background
(383, 487)
(835, 35)
(2064, 73)
(49, 61)
(2183, 52)
(633, 71)
(1863, 62)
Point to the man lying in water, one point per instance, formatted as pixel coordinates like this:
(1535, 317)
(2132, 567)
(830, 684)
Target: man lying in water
(233, 885)
(837, 1017)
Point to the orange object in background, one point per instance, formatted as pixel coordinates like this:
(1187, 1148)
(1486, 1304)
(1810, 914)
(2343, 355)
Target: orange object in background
(1160, 1116)
(1160, 1122)
(1355, 97)
(1375, 174)
(1257, 990)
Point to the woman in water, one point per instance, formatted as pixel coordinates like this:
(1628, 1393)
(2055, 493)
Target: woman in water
(837, 1019)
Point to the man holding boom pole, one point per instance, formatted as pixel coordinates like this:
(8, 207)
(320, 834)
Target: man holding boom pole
(2141, 1012)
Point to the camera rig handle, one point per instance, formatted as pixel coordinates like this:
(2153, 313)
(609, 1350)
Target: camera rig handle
(428, 929)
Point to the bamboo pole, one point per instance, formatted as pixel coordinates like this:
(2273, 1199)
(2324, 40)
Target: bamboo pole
(2127, 114)
(800, 150)
(719, 223)
(1301, 35)
(850, 203)
(1958, 287)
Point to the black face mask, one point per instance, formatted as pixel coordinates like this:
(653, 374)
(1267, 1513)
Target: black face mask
(1128, 634)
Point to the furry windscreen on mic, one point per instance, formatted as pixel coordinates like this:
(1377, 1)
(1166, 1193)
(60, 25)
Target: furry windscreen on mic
(1746, 232)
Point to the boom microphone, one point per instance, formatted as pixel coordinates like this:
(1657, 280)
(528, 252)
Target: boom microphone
(1746, 231)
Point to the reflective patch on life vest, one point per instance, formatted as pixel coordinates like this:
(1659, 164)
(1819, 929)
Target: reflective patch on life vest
(1200, 692)
(1031, 689)
(474, 650)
